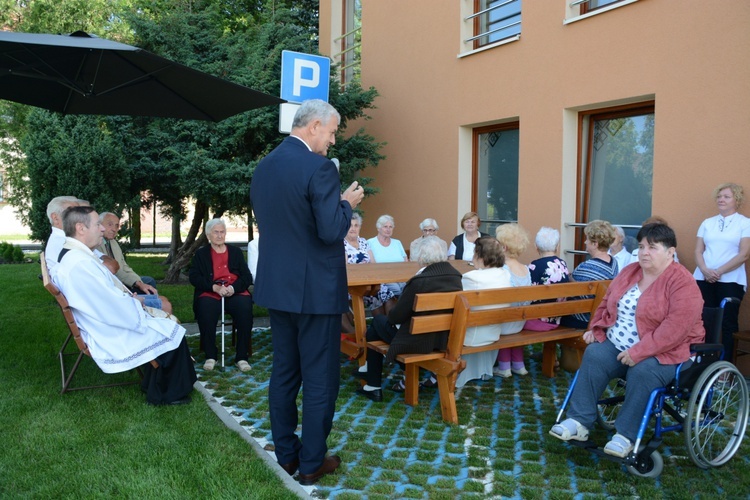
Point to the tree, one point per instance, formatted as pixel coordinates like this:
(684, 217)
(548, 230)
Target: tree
(213, 162)
(73, 155)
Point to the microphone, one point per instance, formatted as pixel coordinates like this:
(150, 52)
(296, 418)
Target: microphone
(336, 162)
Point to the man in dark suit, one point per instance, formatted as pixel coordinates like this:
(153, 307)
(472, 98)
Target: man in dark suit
(301, 279)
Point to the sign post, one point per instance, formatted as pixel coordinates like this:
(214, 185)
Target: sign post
(303, 77)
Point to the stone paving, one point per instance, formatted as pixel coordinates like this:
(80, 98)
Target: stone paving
(499, 449)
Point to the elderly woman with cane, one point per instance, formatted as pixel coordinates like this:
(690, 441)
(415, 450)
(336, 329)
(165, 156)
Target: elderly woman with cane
(221, 279)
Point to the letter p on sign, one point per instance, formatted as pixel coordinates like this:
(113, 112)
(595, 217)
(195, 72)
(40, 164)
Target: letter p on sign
(304, 76)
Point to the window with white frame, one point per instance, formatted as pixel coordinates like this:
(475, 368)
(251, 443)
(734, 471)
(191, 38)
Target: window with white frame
(495, 179)
(617, 164)
(589, 5)
(350, 42)
(494, 20)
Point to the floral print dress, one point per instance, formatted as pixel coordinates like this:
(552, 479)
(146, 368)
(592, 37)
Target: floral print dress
(360, 255)
(546, 271)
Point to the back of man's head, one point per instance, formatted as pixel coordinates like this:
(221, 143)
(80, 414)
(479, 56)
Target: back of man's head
(314, 109)
(73, 216)
(58, 205)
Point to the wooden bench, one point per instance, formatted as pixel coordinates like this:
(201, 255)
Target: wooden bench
(75, 334)
(454, 312)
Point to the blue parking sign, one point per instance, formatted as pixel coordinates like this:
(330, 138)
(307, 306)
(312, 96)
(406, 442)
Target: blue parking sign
(304, 76)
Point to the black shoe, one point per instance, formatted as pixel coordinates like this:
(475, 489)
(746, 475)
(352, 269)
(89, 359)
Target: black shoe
(184, 401)
(376, 395)
(398, 386)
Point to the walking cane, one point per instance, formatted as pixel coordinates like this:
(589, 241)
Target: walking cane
(223, 367)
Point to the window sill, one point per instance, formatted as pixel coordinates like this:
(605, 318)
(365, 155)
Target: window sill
(599, 11)
(490, 46)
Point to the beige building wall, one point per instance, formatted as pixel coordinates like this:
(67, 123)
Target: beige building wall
(689, 56)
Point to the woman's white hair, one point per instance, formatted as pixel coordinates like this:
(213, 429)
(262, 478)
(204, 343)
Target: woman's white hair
(547, 239)
(428, 222)
(382, 220)
(357, 217)
(214, 222)
(430, 250)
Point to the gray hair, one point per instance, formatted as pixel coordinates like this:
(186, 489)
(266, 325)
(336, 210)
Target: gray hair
(428, 222)
(104, 215)
(214, 222)
(430, 250)
(83, 203)
(314, 109)
(619, 230)
(72, 216)
(547, 239)
(59, 204)
(383, 219)
(357, 217)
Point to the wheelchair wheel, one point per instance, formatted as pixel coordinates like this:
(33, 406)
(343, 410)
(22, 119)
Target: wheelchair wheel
(716, 415)
(650, 466)
(609, 406)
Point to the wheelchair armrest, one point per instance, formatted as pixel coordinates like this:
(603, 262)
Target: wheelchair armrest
(698, 348)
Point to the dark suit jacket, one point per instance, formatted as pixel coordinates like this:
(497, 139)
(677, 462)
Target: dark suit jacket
(202, 271)
(437, 277)
(296, 198)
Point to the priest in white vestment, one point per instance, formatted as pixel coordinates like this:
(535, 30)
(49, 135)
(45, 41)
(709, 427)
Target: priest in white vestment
(120, 333)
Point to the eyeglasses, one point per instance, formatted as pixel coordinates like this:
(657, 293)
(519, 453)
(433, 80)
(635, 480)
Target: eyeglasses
(426, 230)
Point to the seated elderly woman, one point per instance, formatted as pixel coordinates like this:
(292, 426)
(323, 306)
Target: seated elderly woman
(219, 272)
(489, 272)
(429, 227)
(437, 275)
(357, 251)
(384, 248)
(600, 235)
(547, 270)
(642, 329)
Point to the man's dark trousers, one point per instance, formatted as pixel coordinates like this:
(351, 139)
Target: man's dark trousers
(300, 351)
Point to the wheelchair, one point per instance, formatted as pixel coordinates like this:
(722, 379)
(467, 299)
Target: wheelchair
(708, 402)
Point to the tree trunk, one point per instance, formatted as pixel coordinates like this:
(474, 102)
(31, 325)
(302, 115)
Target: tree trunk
(135, 227)
(176, 241)
(185, 253)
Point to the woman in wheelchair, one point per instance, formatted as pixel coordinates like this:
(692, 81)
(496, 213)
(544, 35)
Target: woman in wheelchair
(643, 328)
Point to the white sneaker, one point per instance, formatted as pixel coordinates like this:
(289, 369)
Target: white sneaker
(244, 366)
(209, 364)
(501, 373)
(520, 371)
(569, 429)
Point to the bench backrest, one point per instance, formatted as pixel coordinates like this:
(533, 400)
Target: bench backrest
(453, 310)
(64, 306)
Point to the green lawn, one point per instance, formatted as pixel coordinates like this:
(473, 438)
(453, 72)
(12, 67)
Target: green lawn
(104, 442)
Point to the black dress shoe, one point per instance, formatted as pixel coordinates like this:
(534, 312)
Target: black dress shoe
(376, 395)
(329, 465)
(291, 467)
(184, 401)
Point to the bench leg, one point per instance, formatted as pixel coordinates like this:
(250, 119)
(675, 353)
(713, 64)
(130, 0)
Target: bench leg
(549, 356)
(447, 388)
(411, 396)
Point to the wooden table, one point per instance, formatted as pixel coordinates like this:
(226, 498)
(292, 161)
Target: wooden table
(364, 279)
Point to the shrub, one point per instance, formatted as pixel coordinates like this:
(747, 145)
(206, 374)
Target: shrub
(17, 254)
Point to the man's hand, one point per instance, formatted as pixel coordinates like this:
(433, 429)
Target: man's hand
(354, 194)
(625, 359)
(140, 285)
(110, 264)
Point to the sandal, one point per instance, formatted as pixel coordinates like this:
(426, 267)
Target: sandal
(564, 429)
(618, 446)
(399, 386)
(429, 383)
